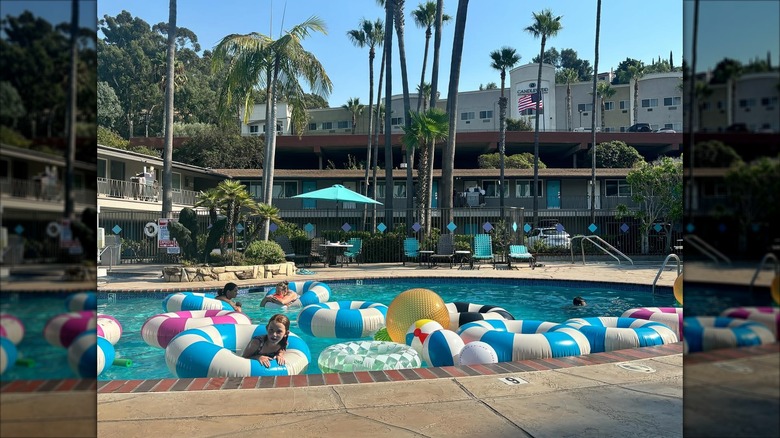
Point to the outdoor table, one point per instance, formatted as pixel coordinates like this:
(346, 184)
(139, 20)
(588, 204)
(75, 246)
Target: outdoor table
(463, 256)
(426, 255)
(333, 251)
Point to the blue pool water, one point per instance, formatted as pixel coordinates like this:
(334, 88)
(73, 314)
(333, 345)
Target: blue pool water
(537, 299)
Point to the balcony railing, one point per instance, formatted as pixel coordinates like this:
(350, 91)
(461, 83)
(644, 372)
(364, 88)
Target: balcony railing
(35, 190)
(114, 188)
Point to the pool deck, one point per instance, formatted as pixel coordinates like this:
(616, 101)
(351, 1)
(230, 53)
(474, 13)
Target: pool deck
(587, 396)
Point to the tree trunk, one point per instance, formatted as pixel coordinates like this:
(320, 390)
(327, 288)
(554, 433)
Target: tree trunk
(377, 127)
(536, 135)
(399, 28)
(593, 130)
(167, 183)
(436, 53)
(389, 221)
(422, 75)
(270, 138)
(72, 109)
(502, 101)
(568, 107)
(370, 125)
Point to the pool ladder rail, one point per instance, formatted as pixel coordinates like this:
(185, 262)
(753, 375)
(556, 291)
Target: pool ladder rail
(595, 240)
(663, 266)
(766, 259)
(706, 249)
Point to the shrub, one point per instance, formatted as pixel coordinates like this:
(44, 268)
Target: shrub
(231, 258)
(264, 252)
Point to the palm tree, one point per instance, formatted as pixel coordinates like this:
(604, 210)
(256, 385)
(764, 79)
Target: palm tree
(283, 63)
(448, 157)
(72, 109)
(167, 174)
(635, 73)
(266, 213)
(388, 44)
(703, 92)
(424, 89)
(502, 60)
(425, 18)
(569, 75)
(210, 200)
(544, 26)
(355, 108)
(436, 50)
(233, 197)
(604, 91)
(427, 128)
(593, 115)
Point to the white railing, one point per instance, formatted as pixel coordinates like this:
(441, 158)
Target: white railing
(114, 188)
(595, 240)
(25, 189)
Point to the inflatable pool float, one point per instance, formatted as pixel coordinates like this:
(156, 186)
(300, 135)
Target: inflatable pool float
(83, 354)
(109, 328)
(8, 354)
(703, 333)
(62, 329)
(367, 356)
(214, 351)
(342, 319)
(81, 301)
(179, 301)
(309, 292)
(462, 313)
(769, 316)
(158, 330)
(607, 333)
(442, 348)
(672, 317)
(526, 339)
(11, 328)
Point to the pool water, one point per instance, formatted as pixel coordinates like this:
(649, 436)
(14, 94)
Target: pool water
(540, 300)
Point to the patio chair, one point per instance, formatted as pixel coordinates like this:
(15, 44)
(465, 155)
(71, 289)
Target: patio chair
(289, 252)
(483, 248)
(353, 254)
(411, 249)
(445, 250)
(520, 253)
(317, 252)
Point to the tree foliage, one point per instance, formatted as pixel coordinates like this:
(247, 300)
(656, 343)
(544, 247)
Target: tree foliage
(714, 153)
(109, 109)
(523, 160)
(615, 155)
(754, 189)
(518, 125)
(218, 148)
(623, 71)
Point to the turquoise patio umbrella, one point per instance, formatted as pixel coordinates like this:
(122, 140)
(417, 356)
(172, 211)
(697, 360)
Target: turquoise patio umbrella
(337, 193)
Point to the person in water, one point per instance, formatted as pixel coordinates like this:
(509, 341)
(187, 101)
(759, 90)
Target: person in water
(579, 301)
(227, 294)
(283, 295)
(273, 344)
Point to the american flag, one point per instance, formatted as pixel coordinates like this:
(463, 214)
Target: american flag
(528, 101)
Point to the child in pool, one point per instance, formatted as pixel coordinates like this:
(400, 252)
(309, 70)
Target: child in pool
(282, 296)
(227, 294)
(579, 301)
(273, 344)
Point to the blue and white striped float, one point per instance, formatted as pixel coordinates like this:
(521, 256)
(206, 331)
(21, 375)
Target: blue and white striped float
(81, 301)
(8, 354)
(309, 292)
(769, 316)
(526, 339)
(159, 330)
(462, 313)
(109, 328)
(607, 333)
(179, 301)
(342, 319)
(215, 351)
(703, 333)
(672, 317)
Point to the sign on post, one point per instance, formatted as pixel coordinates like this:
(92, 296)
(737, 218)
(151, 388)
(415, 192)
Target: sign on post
(164, 239)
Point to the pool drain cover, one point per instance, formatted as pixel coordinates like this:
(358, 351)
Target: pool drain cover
(734, 367)
(636, 368)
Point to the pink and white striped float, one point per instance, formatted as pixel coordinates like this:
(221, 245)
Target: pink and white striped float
(159, 330)
(109, 328)
(670, 316)
(11, 328)
(769, 316)
(62, 329)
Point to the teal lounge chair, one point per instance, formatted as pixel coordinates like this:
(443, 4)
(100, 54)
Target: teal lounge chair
(411, 250)
(483, 248)
(520, 253)
(353, 254)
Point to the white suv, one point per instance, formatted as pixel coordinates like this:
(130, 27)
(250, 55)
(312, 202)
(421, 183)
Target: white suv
(549, 237)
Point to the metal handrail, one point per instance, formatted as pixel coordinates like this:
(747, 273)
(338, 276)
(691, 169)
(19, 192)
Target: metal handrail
(606, 251)
(106, 248)
(767, 257)
(663, 266)
(705, 248)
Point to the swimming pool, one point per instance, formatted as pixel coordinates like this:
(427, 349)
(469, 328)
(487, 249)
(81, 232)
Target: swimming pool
(525, 299)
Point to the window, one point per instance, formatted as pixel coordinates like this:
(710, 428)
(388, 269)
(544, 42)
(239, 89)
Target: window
(396, 121)
(342, 124)
(720, 105)
(101, 168)
(649, 103)
(523, 188)
(175, 181)
(714, 190)
(327, 125)
(624, 105)
(585, 107)
(617, 187)
(399, 190)
(491, 188)
(671, 101)
(256, 189)
(746, 103)
(768, 101)
(467, 115)
(706, 106)
(609, 106)
(253, 129)
(285, 189)
(278, 127)
(312, 126)
(486, 114)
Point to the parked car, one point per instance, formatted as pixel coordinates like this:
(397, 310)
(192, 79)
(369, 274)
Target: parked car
(586, 129)
(550, 237)
(666, 131)
(639, 127)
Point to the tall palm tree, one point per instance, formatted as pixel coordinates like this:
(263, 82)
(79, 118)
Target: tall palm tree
(355, 109)
(448, 157)
(72, 109)
(569, 75)
(425, 18)
(604, 91)
(702, 92)
(167, 175)
(424, 89)
(545, 26)
(436, 51)
(233, 198)
(388, 44)
(502, 60)
(635, 72)
(254, 59)
(594, 145)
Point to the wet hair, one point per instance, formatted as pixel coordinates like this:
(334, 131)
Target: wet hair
(578, 301)
(228, 286)
(283, 320)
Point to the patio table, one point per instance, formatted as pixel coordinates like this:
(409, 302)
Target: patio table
(426, 256)
(464, 256)
(335, 250)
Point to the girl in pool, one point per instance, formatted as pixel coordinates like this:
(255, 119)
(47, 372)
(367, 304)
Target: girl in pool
(283, 296)
(227, 294)
(273, 344)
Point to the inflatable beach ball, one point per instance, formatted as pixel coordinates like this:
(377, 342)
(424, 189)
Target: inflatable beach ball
(476, 353)
(442, 348)
(8, 354)
(419, 332)
(81, 301)
(109, 328)
(11, 328)
(411, 306)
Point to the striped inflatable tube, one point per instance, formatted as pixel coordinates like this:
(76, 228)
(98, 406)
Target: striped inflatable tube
(215, 351)
(11, 328)
(309, 292)
(62, 329)
(703, 333)
(81, 301)
(367, 356)
(179, 301)
(158, 330)
(672, 317)
(769, 316)
(342, 319)
(462, 313)
(526, 339)
(8, 354)
(109, 328)
(83, 354)
(607, 333)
